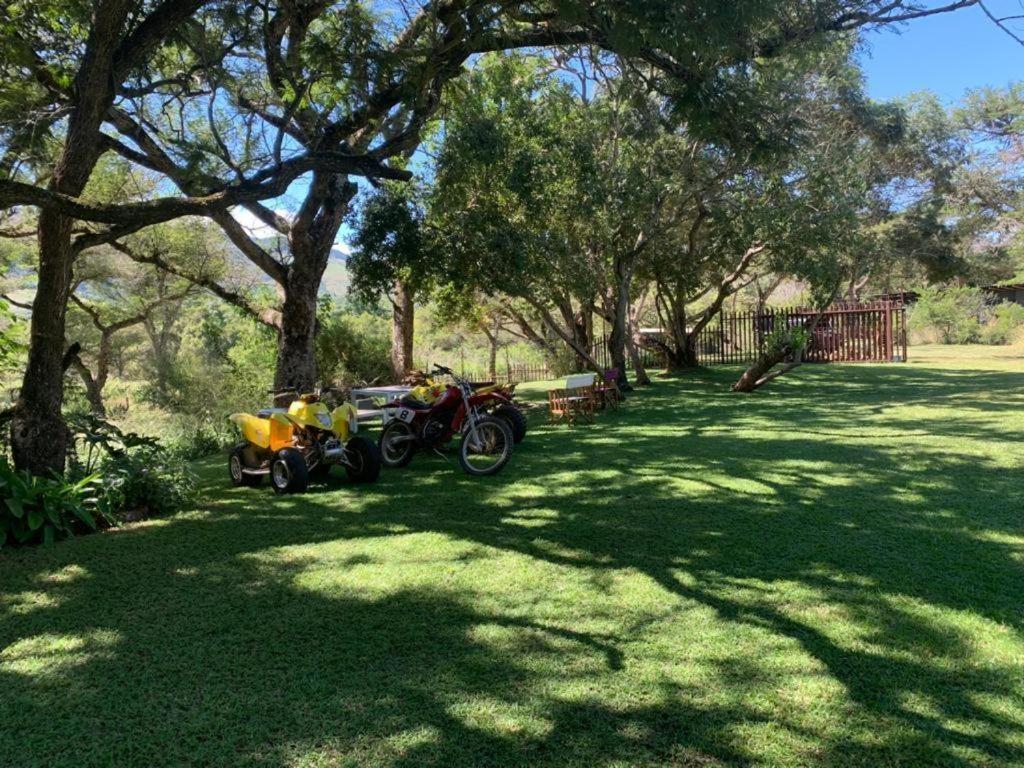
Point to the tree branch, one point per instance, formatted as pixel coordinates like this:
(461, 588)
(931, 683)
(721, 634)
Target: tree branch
(269, 317)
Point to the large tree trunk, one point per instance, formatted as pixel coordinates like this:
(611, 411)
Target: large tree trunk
(681, 350)
(756, 375)
(585, 326)
(296, 341)
(310, 241)
(403, 324)
(632, 344)
(39, 436)
(619, 336)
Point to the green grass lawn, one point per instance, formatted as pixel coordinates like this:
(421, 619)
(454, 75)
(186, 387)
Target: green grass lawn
(830, 572)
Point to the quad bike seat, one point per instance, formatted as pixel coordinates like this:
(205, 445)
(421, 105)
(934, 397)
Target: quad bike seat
(266, 413)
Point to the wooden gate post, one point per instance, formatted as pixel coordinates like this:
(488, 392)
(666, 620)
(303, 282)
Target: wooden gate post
(888, 331)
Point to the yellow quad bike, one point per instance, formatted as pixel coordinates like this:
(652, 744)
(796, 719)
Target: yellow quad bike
(302, 442)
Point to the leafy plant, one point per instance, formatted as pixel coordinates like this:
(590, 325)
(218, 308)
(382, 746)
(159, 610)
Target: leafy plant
(37, 509)
(11, 331)
(952, 314)
(353, 348)
(140, 477)
(147, 482)
(101, 438)
(1005, 325)
(199, 442)
(786, 340)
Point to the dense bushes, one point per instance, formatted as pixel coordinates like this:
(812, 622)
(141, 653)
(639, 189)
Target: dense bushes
(353, 348)
(960, 315)
(951, 315)
(141, 477)
(197, 442)
(112, 477)
(1004, 325)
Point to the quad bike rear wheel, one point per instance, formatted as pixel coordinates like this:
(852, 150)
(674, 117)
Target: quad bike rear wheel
(363, 460)
(237, 467)
(288, 472)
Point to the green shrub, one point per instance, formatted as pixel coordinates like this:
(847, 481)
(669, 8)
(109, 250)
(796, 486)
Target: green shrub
(140, 477)
(1005, 324)
(786, 340)
(34, 509)
(201, 441)
(147, 482)
(953, 314)
(353, 348)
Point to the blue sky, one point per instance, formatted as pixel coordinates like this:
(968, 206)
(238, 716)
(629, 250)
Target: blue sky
(948, 54)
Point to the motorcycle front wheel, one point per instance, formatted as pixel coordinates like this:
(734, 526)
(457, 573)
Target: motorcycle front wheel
(397, 444)
(486, 448)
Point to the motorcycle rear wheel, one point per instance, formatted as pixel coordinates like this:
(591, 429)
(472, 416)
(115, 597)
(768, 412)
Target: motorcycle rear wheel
(515, 419)
(486, 448)
(397, 444)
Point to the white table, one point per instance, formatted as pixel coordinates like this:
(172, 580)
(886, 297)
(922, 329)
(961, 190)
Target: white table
(379, 395)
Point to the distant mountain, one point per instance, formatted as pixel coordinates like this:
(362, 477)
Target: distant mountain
(336, 277)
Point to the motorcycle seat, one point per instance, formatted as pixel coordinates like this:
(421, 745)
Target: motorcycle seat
(414, 404)
(266, 413)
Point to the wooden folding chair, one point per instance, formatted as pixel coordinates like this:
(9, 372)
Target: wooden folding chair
(608, 392)
(576, 402)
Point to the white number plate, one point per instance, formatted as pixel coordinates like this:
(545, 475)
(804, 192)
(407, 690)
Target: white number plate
(404, 414)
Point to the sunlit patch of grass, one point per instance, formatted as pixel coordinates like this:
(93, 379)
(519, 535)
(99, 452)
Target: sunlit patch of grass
(51, 655)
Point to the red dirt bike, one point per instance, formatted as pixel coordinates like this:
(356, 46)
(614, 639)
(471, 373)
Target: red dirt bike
(486, 444)
(500, 402)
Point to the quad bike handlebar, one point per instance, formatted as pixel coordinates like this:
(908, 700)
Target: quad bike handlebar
(294, 391)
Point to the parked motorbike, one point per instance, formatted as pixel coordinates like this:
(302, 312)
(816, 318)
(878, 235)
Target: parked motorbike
(291, 445)
(458, 409)
(501, 404)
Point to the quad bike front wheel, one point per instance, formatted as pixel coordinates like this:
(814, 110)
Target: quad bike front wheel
(486, 448)
(288, 472)
(237, 466)
(397, 444)
(363, 460)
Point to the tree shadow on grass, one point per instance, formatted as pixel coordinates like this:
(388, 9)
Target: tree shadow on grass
(187, 642)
